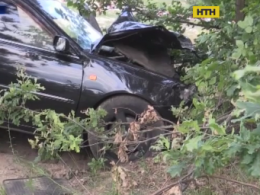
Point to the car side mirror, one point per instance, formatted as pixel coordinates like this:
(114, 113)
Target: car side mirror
(61, 44)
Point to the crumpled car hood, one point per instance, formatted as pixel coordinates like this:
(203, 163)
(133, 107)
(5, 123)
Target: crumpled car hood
(126, 26)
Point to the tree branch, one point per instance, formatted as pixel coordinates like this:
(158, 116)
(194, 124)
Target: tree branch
(235, 181)
(240, 5)
(186, 180)
(181, 180)
(194, 24)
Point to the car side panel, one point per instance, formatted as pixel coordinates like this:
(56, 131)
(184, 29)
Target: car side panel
(60, 75)
(104, 77)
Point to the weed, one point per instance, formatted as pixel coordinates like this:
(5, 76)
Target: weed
(96, 165)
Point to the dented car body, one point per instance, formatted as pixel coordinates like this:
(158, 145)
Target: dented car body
(145, 46)
(131, 59)
(142, 44)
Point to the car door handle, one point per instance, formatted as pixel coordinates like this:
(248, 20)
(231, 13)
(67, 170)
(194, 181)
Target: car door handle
(29, 54)
(32, 55)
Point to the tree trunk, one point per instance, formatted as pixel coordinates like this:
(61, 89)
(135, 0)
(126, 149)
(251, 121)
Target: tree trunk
(240, 4)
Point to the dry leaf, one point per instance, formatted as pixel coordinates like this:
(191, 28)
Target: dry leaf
(113, 163)
(122, 155)
(134, 129)
(175, 190)
(149, 116)
(134, 183)
(142, 172)
(118, 138)
(174, 134)
(119, 175)
(215, 132)
(122, 176)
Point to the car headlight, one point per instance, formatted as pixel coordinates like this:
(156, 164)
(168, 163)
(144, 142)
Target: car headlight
(187, 92)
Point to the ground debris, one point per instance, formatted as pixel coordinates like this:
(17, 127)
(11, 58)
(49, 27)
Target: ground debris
(122, 177)
(175, 190)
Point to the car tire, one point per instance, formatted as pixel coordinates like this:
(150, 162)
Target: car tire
(125, 103)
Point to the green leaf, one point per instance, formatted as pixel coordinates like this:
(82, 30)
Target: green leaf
(176, 170)
(57, 144)
(192, 144)
(247, 159)
(251, 149)
(217, 129)
(251, 109)
(198, 105)
(207, 147)
(77, 149)
(188, 126)
(207, 74)
(240, 44)
(242, 24)
(238, 74)
(254, 170)
(249, 20)
(244, 134)
(236, 54)
(234, 148)
(256, 131)
(249, 29)
(231, 90)
(212, 81)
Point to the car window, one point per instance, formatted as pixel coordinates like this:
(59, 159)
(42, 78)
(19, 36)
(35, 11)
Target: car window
(18, 25)
(71, 22)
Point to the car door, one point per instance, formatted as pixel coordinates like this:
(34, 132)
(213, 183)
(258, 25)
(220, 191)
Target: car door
(25, 41)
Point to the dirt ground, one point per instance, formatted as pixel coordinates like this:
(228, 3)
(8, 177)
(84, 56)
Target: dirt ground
(8, 168)
(16, 161)
(140, 178)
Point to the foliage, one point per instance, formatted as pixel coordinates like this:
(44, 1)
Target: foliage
(228, 85)
(223, 125)
(96, 165)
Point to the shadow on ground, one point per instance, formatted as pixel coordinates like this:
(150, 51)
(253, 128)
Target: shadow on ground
(16, 149)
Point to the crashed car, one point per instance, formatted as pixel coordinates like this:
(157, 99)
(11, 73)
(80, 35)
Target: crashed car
(126, 70)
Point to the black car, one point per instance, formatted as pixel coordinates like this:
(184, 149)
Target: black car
(128, 68)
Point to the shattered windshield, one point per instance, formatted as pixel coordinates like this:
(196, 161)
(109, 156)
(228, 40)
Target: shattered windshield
(71, 22)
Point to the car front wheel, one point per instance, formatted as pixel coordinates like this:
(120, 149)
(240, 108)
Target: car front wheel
(122, 111)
